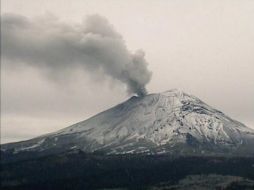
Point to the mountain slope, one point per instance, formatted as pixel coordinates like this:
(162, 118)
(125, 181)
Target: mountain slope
(169, 122)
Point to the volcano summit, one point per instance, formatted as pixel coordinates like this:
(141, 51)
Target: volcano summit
(171, 122)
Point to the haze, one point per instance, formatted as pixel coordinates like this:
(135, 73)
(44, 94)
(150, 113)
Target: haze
(204, 48)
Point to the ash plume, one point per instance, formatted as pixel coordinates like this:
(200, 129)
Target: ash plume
(93, 45)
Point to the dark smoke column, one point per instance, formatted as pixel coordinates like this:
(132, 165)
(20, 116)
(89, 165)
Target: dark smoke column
(92, 45)
(137, 74)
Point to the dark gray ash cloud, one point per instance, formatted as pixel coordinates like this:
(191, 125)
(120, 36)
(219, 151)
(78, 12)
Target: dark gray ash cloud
(59, 48)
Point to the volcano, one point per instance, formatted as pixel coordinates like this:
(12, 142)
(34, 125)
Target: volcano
(171, 122)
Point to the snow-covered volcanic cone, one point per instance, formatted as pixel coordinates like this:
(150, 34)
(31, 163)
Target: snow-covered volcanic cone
(169, 122)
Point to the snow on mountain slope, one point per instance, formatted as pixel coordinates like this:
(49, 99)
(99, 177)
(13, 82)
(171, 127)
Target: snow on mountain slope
(169, 122)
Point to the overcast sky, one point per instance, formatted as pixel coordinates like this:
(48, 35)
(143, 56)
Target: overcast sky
(205, 48)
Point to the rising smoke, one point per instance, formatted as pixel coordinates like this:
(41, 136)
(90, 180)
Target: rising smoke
(93, 45)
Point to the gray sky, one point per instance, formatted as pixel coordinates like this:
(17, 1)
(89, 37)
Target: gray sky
(205, 48)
